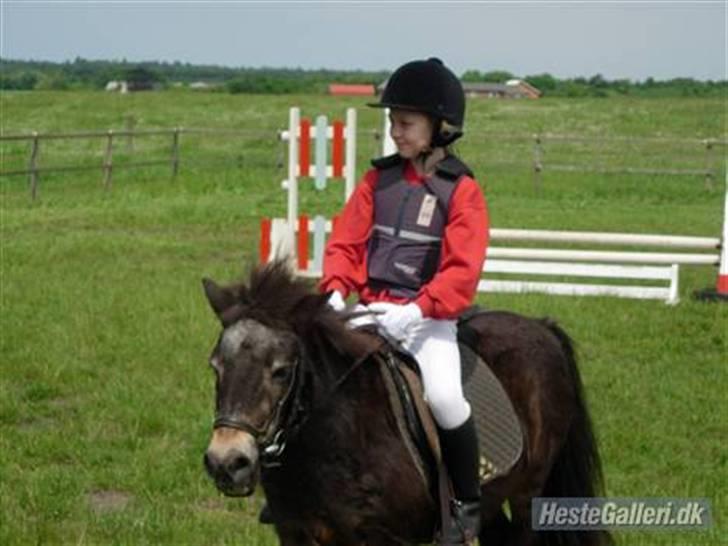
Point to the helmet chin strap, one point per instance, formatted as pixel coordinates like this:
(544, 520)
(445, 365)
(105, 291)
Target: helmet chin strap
(428, 158)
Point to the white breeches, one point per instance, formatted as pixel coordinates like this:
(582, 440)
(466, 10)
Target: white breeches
(434, 345)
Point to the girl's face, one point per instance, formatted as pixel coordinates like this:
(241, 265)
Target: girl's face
(411, 132)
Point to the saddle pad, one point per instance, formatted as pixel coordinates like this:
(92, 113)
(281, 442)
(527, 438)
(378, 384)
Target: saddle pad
(499, 431)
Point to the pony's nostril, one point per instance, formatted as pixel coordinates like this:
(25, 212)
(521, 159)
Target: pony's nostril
(241, 462)
(232, 471)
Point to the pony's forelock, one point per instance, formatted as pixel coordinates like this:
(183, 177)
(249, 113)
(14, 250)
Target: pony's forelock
(276, 297)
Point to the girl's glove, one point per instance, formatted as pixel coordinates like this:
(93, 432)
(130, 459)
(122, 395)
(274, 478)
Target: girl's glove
(336, 301)
(397, 320)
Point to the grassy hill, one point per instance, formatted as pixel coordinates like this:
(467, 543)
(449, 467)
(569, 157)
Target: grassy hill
(105, 396)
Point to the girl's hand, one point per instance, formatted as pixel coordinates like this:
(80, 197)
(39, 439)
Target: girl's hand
(336, 301)
(397, 320)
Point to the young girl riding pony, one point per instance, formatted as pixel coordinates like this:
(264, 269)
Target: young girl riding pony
(410, 243)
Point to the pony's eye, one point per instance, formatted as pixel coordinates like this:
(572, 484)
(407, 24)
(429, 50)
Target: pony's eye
(281, 373)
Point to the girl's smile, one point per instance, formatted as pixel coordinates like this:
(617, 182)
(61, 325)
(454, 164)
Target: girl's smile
(411, 132)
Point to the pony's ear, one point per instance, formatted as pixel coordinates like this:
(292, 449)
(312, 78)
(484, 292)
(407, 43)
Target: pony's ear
(220, 299)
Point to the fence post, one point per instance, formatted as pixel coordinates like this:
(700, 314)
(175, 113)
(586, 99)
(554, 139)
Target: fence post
(108, 159)
(350, 176)
(537, 161)
(175, 152)
(33, 166)
(130, 125)
(709, 185)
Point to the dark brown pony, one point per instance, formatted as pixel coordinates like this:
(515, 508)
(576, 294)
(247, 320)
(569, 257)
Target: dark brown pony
(301, 405)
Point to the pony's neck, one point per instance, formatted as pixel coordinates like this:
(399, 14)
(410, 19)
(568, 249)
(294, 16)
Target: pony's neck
(335, 363)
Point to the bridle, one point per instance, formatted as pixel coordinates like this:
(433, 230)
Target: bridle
(289, 414)
(271, 437)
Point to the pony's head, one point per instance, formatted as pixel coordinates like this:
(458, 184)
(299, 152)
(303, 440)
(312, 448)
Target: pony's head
(259, 363)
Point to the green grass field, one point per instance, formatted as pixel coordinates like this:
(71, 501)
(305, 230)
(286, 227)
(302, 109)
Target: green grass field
(105, 395)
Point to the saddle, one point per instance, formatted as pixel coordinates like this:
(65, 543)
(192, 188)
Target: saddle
(500, 436)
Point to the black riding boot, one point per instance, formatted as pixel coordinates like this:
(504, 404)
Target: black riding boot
(461, 456)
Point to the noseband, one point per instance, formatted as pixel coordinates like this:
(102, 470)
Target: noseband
(271, 437)
(289, 416)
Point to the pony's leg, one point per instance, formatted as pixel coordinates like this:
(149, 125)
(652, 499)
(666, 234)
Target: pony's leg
(294, 539)
(495, 525)
(520, 531)
(324, 536)
(382, 540)
(289, 535)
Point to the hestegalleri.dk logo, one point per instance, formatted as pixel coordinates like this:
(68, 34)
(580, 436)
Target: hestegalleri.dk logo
(605, 513)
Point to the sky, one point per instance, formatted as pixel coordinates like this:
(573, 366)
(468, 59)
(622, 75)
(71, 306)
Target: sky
(617, 39)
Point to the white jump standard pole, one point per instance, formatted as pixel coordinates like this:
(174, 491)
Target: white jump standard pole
(721, 286)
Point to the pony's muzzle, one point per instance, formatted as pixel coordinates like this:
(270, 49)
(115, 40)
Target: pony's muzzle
(232, 466)
(232, 475)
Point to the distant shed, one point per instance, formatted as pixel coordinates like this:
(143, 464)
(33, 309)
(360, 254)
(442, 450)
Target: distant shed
(355, 90)
(512, 89)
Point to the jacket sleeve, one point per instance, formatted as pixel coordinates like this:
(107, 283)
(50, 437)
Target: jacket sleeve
(465, 241)
(344, 267)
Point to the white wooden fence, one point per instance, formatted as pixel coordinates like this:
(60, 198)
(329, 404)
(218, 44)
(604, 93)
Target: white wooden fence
(642, 272)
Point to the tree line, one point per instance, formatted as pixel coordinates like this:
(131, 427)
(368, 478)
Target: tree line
(598, 86)
(90, 74)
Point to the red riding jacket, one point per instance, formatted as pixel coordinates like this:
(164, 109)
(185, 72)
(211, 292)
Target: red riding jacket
(464, 246)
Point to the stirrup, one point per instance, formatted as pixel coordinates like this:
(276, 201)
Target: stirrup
(464, 525)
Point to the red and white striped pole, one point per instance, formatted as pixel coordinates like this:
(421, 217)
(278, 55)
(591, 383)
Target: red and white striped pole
(721, 286)
(290, 237)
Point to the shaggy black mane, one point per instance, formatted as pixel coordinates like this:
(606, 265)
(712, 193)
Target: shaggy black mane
(274, 296)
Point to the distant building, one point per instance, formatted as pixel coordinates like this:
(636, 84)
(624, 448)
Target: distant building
(122, 86)
(200, 86)
(352, 90)
(119, 86)
(512, 89)
(142, 85)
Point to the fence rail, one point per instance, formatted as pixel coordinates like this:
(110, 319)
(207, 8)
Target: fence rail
(107, 166)
(703, 150)
(709, 151)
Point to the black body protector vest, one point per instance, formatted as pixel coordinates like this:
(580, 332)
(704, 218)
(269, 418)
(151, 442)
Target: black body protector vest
(409, 224)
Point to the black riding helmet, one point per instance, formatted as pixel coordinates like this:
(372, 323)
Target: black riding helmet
(431, 88)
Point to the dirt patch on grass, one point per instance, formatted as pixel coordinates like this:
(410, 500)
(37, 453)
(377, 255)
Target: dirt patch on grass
(35, 424)
(59, 406)
(104, 501)
(211, 505)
